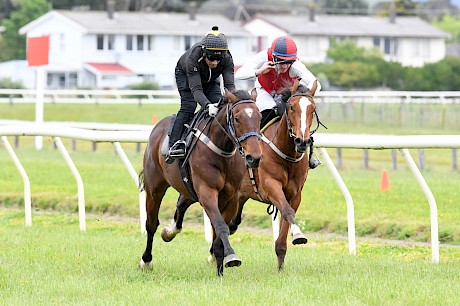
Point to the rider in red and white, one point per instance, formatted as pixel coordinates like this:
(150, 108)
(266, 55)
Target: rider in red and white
(273, 70)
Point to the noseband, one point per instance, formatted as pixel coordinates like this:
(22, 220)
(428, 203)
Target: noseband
(231, 127)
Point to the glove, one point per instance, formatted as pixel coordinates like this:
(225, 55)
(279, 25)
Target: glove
(213, 109)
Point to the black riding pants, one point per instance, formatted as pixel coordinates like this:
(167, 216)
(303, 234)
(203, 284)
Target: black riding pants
(188, 103)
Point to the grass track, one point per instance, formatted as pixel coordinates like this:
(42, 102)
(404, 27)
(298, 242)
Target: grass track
(54, 263)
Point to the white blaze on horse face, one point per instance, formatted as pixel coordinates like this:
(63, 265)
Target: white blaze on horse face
(304, 103)
(249, 112)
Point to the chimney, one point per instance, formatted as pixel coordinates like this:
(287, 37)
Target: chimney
(192, 9)
(311, 11)
(392, 13)
(110, 8)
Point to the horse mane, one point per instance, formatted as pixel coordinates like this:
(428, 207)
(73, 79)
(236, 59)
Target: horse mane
(286, 92)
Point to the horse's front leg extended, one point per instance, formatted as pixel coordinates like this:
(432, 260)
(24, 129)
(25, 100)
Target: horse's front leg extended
(208, 199)
(169, 232)
(277, 197)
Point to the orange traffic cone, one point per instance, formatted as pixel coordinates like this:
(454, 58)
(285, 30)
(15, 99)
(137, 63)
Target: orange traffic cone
(154, 119)
(385, 181)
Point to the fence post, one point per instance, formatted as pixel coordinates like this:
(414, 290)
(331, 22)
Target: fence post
(366, 158)
(394, 158)
(454, 159)
(339, 157)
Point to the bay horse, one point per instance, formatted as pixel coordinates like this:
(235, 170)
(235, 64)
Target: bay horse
(215, 171)
(280, 178)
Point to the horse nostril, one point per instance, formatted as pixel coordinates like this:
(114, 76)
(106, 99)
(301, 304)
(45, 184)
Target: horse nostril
(297, 141)
(252, 162)
(308, 142)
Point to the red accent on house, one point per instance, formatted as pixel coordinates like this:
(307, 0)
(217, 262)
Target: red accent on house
(38, 50)
(110, 68)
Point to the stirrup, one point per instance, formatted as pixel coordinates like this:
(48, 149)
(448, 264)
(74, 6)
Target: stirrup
(177, 150)
(313, 162)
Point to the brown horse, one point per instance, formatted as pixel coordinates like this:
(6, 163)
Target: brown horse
(280, 178)
(215, 171)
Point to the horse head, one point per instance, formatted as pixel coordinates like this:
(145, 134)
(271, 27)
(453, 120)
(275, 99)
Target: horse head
(299, 113)
(243, 125)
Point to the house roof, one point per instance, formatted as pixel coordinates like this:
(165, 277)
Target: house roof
(347, 25)
(108, 68)
(146, 23)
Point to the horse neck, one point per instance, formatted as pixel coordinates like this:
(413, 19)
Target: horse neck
(217, 135)
(282, 139)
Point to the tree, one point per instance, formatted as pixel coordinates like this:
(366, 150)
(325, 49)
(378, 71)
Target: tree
(343, 7)
(13, 45)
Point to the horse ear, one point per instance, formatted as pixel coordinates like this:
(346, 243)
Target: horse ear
(314, 88)
(231, 97)
(295, 86)
(253, 94)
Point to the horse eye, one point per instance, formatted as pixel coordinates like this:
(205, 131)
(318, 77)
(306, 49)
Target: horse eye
(237, 120)
(291, 107)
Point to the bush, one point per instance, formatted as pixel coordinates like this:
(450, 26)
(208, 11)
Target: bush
(145, 86)
(8, 83)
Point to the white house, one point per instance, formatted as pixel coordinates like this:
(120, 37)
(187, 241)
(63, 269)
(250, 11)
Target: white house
(408, 40)
(114, 49)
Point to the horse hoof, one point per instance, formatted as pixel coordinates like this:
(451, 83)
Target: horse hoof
(211, 259)
(143, 265)
(232, 261)
(299, 239)
(167, 234)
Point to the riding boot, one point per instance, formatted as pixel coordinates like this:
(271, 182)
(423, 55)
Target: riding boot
(176, 145)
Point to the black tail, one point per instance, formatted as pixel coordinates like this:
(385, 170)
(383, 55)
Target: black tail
(141, 186)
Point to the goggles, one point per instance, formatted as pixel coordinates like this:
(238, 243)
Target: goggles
(214, 57)
(280, 61)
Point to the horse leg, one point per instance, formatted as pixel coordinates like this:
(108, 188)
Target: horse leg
(152, 204)
(288, 211)
(236, 221)
(217, 249)
(169, 232)
(281, 244)
(208, 200)
(297, 236)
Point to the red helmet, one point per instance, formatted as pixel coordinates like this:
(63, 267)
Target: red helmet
(284, 48)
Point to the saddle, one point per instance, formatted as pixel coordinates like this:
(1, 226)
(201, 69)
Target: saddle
(187, 137)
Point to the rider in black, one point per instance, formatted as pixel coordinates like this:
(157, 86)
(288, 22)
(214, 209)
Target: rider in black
(197, 73)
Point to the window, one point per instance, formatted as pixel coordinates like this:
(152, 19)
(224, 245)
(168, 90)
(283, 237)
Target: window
(111, 42)
(150, 42)
(105, 42)
(376, 42)
(100, 42)
(129, 42)
(140, 42)
(188, 42)
(390, 46)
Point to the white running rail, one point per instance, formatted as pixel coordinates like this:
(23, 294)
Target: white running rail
(322, 141)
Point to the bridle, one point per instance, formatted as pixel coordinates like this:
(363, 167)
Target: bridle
(289, 125)
(230, 132)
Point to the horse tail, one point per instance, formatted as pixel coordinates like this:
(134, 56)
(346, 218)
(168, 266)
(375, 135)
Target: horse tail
(141, 186)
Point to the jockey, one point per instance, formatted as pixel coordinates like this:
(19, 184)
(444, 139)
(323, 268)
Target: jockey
(197, 77)
(271, 77)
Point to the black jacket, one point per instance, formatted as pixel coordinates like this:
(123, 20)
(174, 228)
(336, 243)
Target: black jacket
(200, 76)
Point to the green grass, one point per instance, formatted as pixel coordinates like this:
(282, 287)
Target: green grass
(53, 263)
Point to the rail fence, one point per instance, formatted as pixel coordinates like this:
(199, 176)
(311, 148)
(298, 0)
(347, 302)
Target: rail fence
(322, 141)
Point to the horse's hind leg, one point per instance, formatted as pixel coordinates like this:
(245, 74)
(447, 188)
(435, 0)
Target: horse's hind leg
(236, 221)
(152, 205)
(169, 232)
